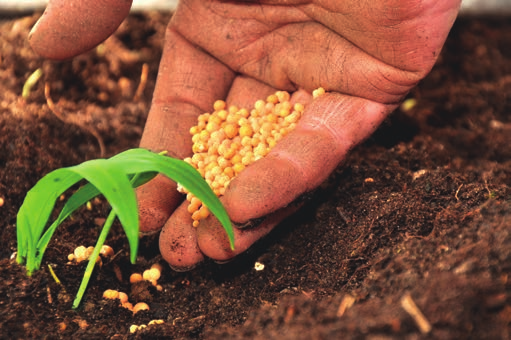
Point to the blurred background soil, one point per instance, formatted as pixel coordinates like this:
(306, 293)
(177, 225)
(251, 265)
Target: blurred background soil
(419, 215)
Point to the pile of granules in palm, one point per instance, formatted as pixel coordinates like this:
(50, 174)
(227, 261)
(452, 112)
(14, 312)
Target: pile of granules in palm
(229, 139)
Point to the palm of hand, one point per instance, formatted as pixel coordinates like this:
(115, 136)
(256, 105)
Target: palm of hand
(368, 56)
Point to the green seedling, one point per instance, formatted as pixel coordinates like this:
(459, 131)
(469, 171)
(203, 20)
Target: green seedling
(114, 178)
(30, 83)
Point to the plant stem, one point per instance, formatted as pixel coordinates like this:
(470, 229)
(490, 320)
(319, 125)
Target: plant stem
(92, 259)
(97, 249)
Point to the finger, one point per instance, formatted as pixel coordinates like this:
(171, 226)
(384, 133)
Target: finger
(244, 92)
(189, 81)
(330, 127)
(363, 56)
(157, 200)
(178, 241)
(385, 29)
(68, 28)
(214, 243)
(405, 34)
(311, 56)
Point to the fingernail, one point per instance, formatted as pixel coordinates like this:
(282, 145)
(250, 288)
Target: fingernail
(34, 28)
(223, 262)
(249, 224)
(182, 269)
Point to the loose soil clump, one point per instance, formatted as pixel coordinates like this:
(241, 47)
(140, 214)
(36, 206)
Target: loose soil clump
(419, 215)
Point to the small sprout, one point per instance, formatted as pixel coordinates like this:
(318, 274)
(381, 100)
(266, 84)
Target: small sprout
(30, 82)
(159, 288)
(136, 277)
(2, 201)
(114, 178)
(111, 294)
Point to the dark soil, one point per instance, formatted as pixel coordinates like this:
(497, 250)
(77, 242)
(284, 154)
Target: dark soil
(421, 210)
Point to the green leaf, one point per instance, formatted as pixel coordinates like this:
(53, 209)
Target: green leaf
(106, 177)
(142, 160)
(111, 180)
(110, 177)
(79, 198)
(36, 209)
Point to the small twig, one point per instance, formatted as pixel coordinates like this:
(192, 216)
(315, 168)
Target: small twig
(48, 294)
(93, 257)
(143, 82)
(59, 115)
(457, 192)
(411, 308)
(342, 214)
(54, 275)
(347, 302)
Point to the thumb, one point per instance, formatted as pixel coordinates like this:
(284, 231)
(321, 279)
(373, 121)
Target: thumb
(70, 27)
(329, 128)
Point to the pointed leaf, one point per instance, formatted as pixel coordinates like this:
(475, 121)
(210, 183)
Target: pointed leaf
(79, 198)
(112, 182)
(141, 160)
(36, 209)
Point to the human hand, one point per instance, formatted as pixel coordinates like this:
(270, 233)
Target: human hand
(367, 55)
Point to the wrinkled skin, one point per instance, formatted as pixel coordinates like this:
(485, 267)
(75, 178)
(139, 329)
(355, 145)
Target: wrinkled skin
(366, 54)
